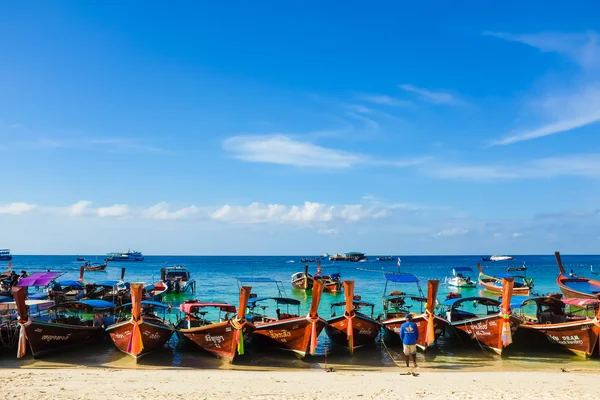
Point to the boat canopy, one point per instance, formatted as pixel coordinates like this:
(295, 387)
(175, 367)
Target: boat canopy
(41, 304)
(401, 277)
(39, 279)
(462, 269)
(108, 283)
(580, 302)
(94, 304)
(404, 296)
(149, 303)
(4, 299)
(70, 283)
(279, 300)
(457, 301)
(355, 253)
(356, 303)
(192, 306)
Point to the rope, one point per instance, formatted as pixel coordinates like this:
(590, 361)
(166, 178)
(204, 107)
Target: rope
(389, 354)
(22, 346)
(239, 334)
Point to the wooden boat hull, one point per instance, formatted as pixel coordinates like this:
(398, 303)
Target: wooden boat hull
(217, 339)
(392, 328)
(517, 291)
(46, 338)
(579, 337)
(95, 269)
(291, 334)
(303, 284)
(154, 336)
(365, 330)
(573, 292)
(486, 331)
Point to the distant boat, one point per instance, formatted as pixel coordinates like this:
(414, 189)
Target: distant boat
(80, 258)
(128, 256)
(176, 280)
(462, 277)
(594, 272)
(522, 285)
(386, 258)
(5, 255)
(497, 258)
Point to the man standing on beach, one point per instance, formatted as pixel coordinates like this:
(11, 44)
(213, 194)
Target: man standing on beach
(409, 335)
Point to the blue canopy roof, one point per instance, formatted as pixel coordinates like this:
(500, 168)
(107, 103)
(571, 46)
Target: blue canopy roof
(70, 283)
(279, 300)
(256, 280)
(466, 269)
(481, 300)
(4, 299)
(107, 283)
(149, 303)
(93, 303)
(517, 301)
(401, 277)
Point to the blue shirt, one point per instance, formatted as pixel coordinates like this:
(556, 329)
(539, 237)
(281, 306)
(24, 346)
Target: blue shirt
(409, 333)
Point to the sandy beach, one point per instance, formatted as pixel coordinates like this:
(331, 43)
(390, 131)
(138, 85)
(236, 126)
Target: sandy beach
(109, 383)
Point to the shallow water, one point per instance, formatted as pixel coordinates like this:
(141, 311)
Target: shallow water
(215, 281)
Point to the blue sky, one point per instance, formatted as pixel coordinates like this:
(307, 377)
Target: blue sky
(301, 128)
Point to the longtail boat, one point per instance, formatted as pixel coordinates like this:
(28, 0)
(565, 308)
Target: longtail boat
(302, 280)
(576, 286)
(144, 331)
(397, 304)
(88, 266)
(288, 330)
(354, 328)
(522, 284)
(332, 283)
(45, 280)
(65, 327)
(491, 329)
(223, 338)
(576, 330)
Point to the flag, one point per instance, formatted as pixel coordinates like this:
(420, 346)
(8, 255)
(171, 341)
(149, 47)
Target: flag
(398, 262)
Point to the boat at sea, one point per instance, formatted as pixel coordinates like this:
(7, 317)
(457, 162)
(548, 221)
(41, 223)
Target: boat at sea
(576, 329)
(576, 286)
(65, 326)
(176, 280)
(396, 304)
(5, 255)
(354, 328)
(522, 284)
(224, 336)
(130, 255)
(95, 267)
(484, 321)
(497, 258)
(385, 258)
(332, 281)
(353, 256)
(462, 277)
(286, 330)
(302, 280)
(139, 330)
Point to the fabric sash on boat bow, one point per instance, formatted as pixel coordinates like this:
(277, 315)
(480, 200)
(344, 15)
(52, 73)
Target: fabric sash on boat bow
(313, 316)
(23, 319)
(239, 322)
(136, 344)
(432, 288)
(506, 334)
(349, 314)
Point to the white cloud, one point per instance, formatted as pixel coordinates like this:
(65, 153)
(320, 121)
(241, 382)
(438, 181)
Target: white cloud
(449, 232)
(309, 212)
(583, 48)
(581, 165)
(431, 96)
(385, 100)
(117, 210)
(283, 150)
(16, 208)
(79, 208)
(516, 234)
(162, 211)
(328, 231)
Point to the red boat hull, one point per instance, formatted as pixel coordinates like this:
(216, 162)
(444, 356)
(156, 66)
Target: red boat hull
(291, 334)
(393, 325)
(569, 292)
(365, 330)
(485, 330)
(45, 338)
(154, 336)
(580, 337)
(217, 339)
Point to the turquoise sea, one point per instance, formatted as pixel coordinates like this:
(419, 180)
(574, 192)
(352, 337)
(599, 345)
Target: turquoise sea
(215, 277)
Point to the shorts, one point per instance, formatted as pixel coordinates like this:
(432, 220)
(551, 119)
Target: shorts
(410, 349)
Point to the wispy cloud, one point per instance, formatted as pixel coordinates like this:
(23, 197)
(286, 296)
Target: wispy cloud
(583, 48)
(115, 211)
(284, 150)
(432, 96)
(562, 110)
(450, 232)
(382, 99)
(17, 208)
(581, 165)
(162, 211)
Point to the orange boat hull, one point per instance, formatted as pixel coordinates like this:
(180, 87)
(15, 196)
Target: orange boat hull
(365, 330)
(485, 330)
(569, 292)
(393, 325)
(579, 337)
(154, 336)
(217, 339)
(292, 334)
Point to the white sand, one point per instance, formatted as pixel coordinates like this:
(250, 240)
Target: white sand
(107, 383)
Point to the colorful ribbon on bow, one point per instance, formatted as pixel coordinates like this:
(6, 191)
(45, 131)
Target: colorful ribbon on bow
(136, 344)
(506, 332)
(239, 334)
(350, 331)
(313, 333)
(22, 345)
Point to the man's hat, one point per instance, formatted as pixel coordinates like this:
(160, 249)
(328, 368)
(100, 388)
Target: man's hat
(409, 317)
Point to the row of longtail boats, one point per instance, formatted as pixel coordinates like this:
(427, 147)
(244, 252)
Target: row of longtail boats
(137, 328)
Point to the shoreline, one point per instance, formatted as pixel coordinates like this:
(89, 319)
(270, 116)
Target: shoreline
(88, 383)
